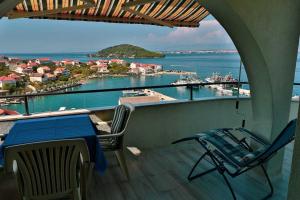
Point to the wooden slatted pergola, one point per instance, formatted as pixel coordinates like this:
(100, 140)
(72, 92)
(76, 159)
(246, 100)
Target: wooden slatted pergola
(182, 13)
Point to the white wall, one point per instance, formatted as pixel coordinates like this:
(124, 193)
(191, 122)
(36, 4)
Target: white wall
(159, 124)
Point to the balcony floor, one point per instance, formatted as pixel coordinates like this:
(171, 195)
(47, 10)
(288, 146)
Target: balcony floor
(161, 174)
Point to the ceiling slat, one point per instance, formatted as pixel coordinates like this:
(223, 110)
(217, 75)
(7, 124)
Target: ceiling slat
(168, 13)
(16, 14)
(152, 19)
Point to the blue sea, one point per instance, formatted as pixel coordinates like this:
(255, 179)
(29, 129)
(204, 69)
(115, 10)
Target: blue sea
(204, 64)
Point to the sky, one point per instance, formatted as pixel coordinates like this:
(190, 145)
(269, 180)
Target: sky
(51, 36)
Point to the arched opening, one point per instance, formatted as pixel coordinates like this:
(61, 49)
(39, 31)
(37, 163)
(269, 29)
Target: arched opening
(203, 51)
(267, 38)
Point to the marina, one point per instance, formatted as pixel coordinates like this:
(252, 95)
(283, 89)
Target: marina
(228, 89)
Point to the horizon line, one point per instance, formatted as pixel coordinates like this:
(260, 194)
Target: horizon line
(76, 52)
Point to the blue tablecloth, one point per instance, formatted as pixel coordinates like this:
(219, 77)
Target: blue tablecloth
(56, 128)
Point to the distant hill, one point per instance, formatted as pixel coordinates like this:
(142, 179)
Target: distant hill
(126, 51)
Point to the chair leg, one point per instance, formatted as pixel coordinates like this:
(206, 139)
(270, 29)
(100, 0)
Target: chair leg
(270, 194)
(190, 177)
(229, 185)
(122, 161)
(218, 168)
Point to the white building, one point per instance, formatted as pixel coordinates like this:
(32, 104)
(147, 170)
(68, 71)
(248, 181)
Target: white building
(61, 71)
(141, 68)
(118, 61)
(50, 77)
(37, 77)
(102, 68)
(69, 62)
(23, 69)
(7, 80)
(43, 70)
(101, 62)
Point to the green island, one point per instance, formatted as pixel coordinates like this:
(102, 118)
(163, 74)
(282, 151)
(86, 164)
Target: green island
(126, 51)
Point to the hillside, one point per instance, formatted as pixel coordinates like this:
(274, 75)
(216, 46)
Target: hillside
(126, 51)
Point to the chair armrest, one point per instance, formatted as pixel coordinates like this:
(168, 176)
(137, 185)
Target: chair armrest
(102, 136)
(253, 136)
(95, 119)
(108, 123)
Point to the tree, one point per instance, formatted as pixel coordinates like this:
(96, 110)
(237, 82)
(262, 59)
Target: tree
(4, 70)
(9, 87)
(63, 78)
(117, 68)
(34, 68)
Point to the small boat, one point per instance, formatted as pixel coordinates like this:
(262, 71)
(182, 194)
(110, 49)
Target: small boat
(215, 77)
(62, 109)
(133, 93)
(188, 80)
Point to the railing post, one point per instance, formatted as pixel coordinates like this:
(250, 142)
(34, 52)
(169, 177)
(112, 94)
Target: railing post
(191, 92)
(26, 105)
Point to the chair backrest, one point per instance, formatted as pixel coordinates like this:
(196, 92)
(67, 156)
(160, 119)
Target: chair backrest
(286, 136)
(47, 169)
(121, 117)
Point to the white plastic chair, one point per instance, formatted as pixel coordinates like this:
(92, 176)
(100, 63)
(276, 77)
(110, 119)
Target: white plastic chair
(112, 139)
(50, 170)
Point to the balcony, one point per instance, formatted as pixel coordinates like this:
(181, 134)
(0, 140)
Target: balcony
(266, 36)
(160, 171)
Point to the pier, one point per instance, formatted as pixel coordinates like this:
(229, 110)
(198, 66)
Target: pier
(150, 96)
(161, 96)
(176, 72)
(223, 91)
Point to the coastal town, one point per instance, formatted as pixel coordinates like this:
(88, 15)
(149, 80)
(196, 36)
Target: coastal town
(45, 75)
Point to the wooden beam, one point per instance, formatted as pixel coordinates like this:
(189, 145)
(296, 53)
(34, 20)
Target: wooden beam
(7, 5)
(117, 20)
(151, 19)
(23, 14)
(139, 2)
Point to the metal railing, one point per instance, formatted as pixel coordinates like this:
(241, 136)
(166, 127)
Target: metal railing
(26, 97)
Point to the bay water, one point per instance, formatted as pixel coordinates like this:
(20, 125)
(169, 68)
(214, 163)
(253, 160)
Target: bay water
(204, 64)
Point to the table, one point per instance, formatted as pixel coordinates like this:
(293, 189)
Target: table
(56, 128)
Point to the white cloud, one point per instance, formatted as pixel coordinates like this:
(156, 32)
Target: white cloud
(210, 34)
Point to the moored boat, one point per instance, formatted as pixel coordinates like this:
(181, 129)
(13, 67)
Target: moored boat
(133, 93)
(188, 80)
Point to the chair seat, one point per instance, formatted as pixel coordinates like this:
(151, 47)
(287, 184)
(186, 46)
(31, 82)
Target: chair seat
(230, 148)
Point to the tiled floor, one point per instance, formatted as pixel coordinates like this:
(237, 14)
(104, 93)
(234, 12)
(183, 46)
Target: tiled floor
(161, 174)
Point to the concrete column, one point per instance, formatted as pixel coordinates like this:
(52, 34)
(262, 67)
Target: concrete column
(294, 183)
(266, 34)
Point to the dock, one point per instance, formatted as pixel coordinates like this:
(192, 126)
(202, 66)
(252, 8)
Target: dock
(161, 96)
(175, 72)
(150, 96)
(220, 89)
(223, 91)
(245, 92)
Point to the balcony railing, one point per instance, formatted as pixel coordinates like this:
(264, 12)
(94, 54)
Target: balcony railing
(190, 87)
